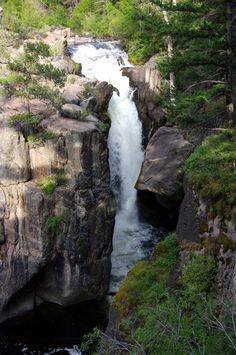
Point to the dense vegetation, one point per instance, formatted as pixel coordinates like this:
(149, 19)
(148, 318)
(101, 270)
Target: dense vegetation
(212, 170)
(195, 42)
(160, 319)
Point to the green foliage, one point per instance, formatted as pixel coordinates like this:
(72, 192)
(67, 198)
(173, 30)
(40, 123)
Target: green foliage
(91, 341)
(40, 137)
(27, 79)
(187, 320)
(106, 124)
(147, 280)
(120, 19)
(198, 276)
(49, 183)
(20, 15)
(202, 108)
(24, 120)
(184, 329)
(211, 168)
(54, 224)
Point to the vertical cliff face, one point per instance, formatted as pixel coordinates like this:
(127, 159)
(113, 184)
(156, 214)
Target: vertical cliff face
(54, 247)
(200, 222)
(146, 79)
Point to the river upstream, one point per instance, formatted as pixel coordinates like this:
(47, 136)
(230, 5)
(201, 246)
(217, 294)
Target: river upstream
(61, 334)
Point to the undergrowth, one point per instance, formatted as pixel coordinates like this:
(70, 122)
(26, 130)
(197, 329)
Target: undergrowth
(211, 168)
(185, 318)
(49, 183)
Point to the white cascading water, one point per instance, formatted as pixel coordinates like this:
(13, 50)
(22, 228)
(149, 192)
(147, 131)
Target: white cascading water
(103, 61)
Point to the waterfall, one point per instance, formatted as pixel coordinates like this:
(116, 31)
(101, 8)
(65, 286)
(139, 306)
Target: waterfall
(103, 61)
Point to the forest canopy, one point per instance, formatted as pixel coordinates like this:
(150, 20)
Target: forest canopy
(195, 42)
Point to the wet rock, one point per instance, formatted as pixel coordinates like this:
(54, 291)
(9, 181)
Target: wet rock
(188, 224)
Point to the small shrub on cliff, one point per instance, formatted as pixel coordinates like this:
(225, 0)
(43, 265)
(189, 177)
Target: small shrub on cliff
(54, 224)
(91, 341)
(49, 183)
(23, 120)
(40, 137)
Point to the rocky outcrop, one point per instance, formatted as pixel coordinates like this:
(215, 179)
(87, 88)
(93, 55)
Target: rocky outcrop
(200, 222)
(100, 95)
(54, 247)
(71, 111)
(90, 95)
(199, 218)
(162, 169)
(147, 81)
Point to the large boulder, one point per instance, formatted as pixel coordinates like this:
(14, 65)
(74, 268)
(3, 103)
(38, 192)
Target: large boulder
(162, 169)
(102, 93)
(73, 91)
(71, 111)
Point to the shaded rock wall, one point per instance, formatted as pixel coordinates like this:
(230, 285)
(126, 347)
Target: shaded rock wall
(36, 263)
(200, 219)
(200, 222)
(147, 81)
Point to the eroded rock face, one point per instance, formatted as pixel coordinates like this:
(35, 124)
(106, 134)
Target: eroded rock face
(102, 93)
(200, 222)
(161, 173)
(71, 262)
(147, 80)
(199, 219)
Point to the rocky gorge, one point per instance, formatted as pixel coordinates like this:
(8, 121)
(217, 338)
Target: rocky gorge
(57, 247)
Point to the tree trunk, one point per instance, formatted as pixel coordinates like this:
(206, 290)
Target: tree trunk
(230, 74)
(169, 42)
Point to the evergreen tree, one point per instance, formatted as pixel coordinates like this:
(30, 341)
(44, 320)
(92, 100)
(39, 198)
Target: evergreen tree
(31, 78)
(199, 55)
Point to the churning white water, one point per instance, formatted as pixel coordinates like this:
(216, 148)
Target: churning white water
(104, 61)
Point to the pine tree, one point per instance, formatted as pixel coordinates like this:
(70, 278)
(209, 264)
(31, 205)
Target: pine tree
(200, 58)
(30, 78)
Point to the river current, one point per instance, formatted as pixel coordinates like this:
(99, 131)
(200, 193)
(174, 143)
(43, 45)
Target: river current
(104, 61)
